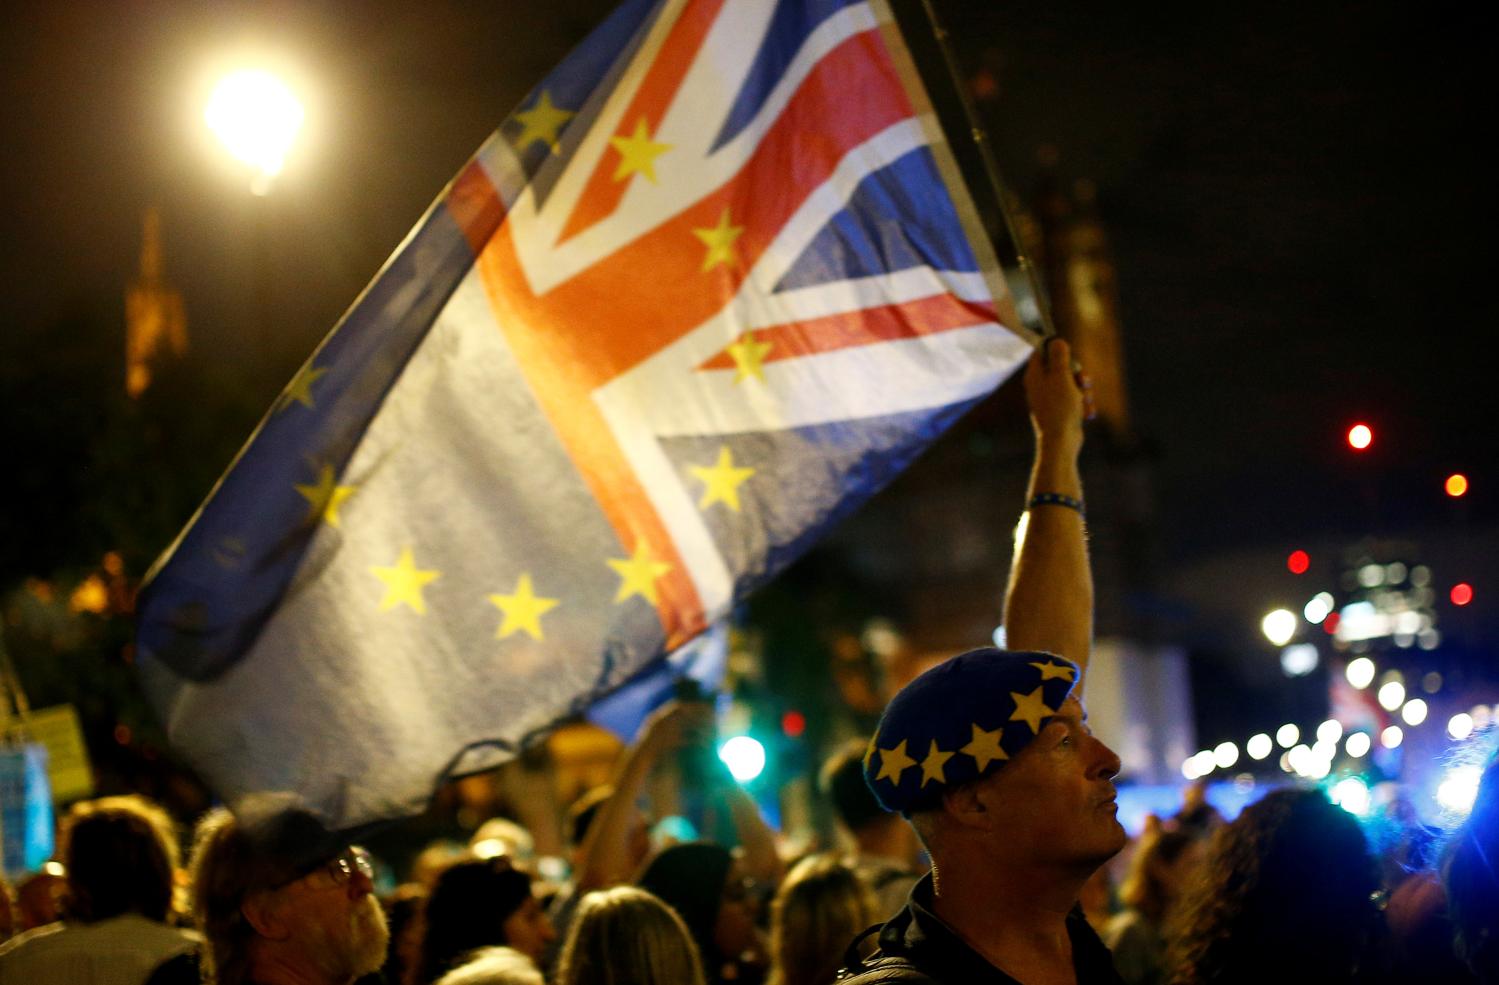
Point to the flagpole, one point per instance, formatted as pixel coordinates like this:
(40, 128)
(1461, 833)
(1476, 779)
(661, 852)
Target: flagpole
(975, 158)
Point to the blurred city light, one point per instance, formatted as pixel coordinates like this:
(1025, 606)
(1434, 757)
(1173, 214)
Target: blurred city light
(1318, 608)
(1414, 711)
(1298, 562)
(1225, 754)
(1391, 695)
(1357, 745)
(1330, 731)
(1360, 672)
(1299, 659)
(1301, 758)
(1352, 794)
(744, 756)
(1456, 485)
(256, 117)
(1431, 683)
(1287, 735)
(1259, 746)
(1459, 788)
(1462, 593)
(1460, 726)
(1391, 737)
(1279, 626)
(1360, 436)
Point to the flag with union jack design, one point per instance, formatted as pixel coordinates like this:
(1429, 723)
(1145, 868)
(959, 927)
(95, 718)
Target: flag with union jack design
(708, 289)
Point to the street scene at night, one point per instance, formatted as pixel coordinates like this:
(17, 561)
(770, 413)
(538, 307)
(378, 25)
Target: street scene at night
(757, 491)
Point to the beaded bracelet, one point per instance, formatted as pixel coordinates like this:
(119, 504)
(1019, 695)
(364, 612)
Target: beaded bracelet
(1055, 499)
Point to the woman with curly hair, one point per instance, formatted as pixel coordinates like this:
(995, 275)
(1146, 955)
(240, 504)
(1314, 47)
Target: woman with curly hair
(1286, 894)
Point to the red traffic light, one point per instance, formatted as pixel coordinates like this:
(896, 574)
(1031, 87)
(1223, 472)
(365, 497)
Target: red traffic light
(793, 724)
(1462, 593)
(1298, 561)
(1360, 436)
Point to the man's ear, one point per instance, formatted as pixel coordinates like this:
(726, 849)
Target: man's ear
(261, 912)
(965, 805)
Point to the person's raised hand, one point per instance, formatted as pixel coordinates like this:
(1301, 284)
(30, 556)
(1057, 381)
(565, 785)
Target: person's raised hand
(1060, 396)
(678, 724)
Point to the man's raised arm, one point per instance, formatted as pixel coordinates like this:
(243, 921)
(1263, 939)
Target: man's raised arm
(1049, 602)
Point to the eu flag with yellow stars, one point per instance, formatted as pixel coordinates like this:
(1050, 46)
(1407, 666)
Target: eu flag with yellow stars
(714, 283)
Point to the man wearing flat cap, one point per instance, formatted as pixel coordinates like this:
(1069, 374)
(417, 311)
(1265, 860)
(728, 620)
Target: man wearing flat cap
(275, 909)
(990, 758)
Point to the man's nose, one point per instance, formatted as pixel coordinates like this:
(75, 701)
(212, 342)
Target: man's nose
(1106, 764)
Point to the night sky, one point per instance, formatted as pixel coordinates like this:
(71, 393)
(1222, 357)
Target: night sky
(1295, 194)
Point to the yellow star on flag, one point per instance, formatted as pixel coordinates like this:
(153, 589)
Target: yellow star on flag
(638, 153)
(985, 747)
(932, 765)
(638, 574)
(720, 241)
(541, 122)
(1053, 672)
(523, 610)
(894, 762)
(721, 481)
(403, 583)
(749, 353)
(324, 497)
(300, 387)
(1030, 709)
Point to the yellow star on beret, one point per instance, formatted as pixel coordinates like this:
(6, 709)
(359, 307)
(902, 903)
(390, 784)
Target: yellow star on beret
(1053, 671)
(932, 765)
(1030, 709)
(894, 762)
(985, 747)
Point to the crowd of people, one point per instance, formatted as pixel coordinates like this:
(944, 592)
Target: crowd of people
(977, 835)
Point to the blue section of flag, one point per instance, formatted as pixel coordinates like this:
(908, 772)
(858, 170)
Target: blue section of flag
(807, 479)
(790, 25)
(898, 218)
(579, 85)
(204, 603)
(704, 660)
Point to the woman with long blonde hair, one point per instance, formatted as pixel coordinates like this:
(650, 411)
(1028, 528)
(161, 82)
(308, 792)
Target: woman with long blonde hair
(626, 936)
(819, 909)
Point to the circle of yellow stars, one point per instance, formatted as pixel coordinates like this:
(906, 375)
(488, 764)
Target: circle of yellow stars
(985, 745)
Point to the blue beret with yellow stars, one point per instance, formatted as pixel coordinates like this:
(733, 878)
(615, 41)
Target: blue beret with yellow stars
(963, 719)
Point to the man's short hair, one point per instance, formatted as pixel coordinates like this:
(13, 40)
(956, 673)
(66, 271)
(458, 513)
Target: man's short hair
(842, 781)
(120, 854)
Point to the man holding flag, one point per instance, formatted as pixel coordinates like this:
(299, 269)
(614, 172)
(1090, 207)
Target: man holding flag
(990, 758)
(713, 285)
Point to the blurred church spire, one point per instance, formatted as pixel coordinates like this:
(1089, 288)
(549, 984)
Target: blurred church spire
(155, 324)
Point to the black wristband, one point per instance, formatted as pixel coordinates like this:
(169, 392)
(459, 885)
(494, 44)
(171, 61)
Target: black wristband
(1055, 499)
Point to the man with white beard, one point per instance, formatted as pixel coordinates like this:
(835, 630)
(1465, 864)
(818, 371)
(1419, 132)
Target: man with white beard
(267, 920)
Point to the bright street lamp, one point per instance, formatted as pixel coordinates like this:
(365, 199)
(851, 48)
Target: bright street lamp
(256, 116)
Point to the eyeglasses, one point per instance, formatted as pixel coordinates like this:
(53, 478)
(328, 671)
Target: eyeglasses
(340, 869)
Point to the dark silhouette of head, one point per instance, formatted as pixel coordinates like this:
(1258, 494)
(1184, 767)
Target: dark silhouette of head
(1470, 873)
(469, 907)
(120, 854)
(1285, 893)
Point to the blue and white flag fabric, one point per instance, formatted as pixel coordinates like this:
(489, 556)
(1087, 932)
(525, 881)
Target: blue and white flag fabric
(710, 287)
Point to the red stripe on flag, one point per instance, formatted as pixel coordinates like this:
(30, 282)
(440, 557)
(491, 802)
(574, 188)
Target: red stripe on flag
(648, 294)
(653, 290)
(475, 205)
(849, 329)
(602, 194)
(546, 358)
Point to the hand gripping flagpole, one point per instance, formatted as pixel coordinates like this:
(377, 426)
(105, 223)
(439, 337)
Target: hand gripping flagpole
(937, 67)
